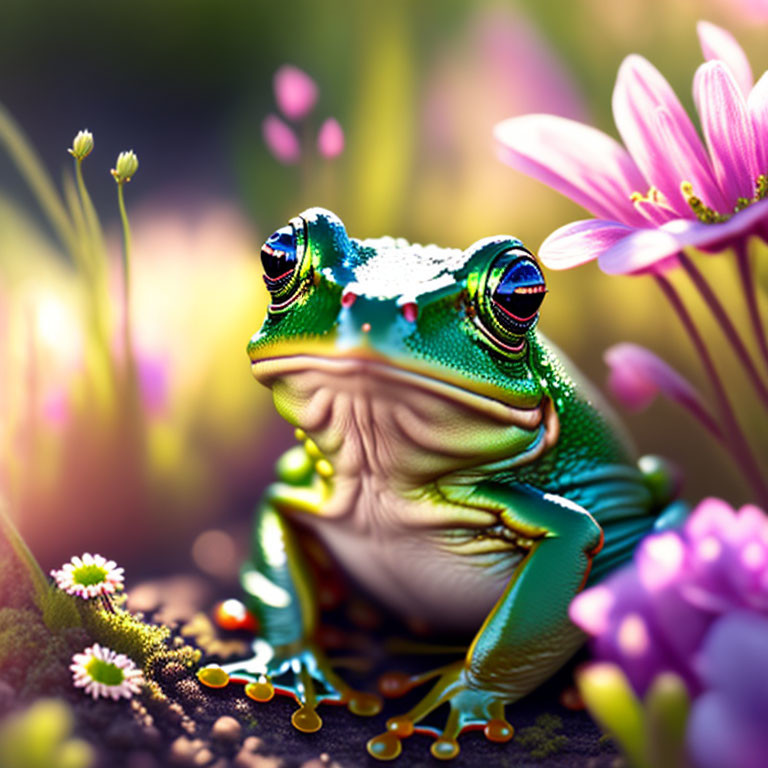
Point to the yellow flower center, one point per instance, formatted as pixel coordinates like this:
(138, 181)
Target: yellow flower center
(104, 672)
(88, 575)
(709, 215)
(703, 212)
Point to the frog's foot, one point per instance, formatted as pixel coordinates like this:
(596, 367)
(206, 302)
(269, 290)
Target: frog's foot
(471, 709)
(301, 673)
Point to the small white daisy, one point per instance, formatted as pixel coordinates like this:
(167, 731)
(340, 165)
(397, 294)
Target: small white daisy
(103, 672)
(89, 576)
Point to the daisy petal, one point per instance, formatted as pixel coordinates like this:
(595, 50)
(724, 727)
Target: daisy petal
(580, 242)
(578, 161)
(640, 93)
(727, 128)
(718, 43)
(757, 106)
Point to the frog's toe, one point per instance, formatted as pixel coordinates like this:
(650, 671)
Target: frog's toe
(307, 677)
(470, 709)
(213, 676)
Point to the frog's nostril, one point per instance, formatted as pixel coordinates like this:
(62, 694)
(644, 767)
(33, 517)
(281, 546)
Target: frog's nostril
(410, 311)
(348, 299)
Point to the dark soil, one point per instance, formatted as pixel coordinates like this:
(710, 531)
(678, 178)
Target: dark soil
(198, 726)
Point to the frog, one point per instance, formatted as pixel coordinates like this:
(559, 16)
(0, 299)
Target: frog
(451, 459)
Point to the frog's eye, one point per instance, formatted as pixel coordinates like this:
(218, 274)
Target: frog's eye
(281, 258)
(517, 289)
(508, 298)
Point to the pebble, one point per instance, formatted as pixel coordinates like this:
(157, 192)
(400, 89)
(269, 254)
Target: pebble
(227, 729)
(253, 744)
(183, 750)
(203, 757)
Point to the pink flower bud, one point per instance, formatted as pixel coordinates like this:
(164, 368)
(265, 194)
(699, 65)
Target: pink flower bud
(330, 139)
(280, 140)
(295, 92)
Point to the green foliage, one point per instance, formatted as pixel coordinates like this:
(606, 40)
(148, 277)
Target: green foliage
(146, 644)
(40, 737)
(543, 739)
(58, 609)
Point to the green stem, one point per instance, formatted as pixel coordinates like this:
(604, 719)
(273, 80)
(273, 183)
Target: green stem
(738, 443)
(32, 171)
(748, 286)
(126, 275)
(95, 238)
(727, 326)
(17, 543)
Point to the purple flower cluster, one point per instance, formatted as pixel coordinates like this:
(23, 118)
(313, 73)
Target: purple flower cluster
(655, 615)
(695, 602)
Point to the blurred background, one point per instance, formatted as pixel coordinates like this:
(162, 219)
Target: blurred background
(416, 88)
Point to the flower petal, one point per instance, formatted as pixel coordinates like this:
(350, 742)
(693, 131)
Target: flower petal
(656, 249)
(757, 105)
(640, 93)
(718, 43)
(577, 160)
(728, 130)
(580, 242)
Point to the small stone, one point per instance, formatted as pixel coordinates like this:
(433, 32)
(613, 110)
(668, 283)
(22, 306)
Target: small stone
(253, 744)
(183, 750)
(203, 757)
(226, 729)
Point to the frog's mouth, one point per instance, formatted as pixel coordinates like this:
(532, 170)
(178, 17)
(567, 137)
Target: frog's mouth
(409, 410)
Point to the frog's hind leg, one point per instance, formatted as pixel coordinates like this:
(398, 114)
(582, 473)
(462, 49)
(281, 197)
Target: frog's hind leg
(285, 660)
(526, 637)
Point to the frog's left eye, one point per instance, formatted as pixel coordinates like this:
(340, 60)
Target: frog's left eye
(509, 297)
(517, 289)
(281, 258)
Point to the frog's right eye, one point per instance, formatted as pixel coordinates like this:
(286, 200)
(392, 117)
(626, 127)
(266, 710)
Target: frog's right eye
(281, 257)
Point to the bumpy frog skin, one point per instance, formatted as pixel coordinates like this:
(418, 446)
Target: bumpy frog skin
(449, 460)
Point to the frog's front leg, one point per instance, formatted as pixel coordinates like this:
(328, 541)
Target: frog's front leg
(279, 591)
(526, 637)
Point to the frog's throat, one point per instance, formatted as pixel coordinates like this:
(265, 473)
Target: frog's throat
(485, 399)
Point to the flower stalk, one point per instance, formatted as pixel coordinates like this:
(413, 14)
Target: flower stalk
(731, 429)
(727, 326)
(748, 286)
(126, 166)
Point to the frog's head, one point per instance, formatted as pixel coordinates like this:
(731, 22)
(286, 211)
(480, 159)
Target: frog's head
(372, 329)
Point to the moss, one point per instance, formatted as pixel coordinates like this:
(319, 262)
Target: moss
(543, 739)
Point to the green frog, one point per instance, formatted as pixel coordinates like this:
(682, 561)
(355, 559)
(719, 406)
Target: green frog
(449, 458)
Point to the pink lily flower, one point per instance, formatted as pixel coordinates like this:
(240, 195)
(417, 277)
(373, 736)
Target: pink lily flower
(665, 189)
